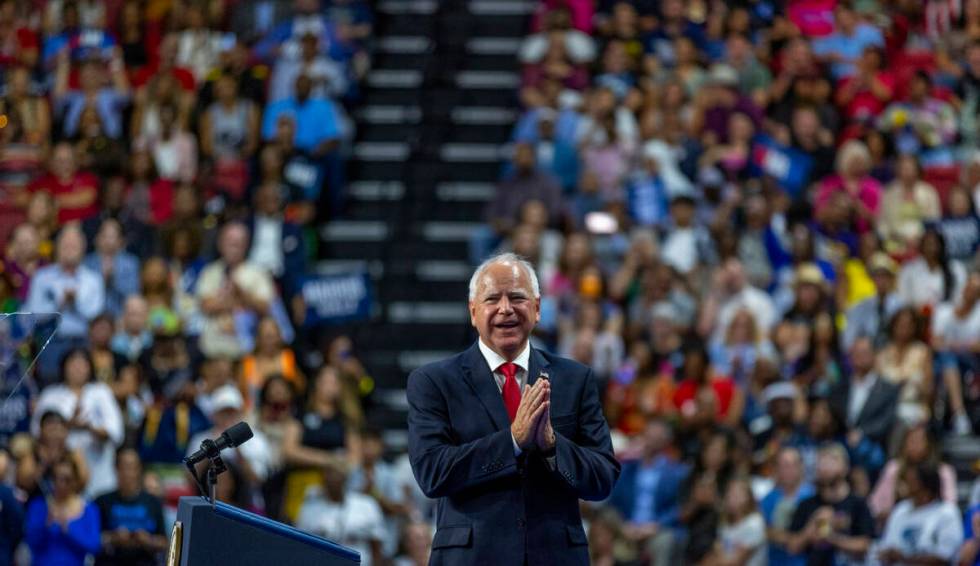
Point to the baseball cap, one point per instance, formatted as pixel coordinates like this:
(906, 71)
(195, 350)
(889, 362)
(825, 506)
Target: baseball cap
(226, 397)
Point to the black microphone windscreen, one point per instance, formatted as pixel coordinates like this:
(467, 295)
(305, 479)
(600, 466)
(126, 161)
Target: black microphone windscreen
(239, 433)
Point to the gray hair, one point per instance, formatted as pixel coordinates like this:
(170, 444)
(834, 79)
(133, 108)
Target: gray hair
(507, 257)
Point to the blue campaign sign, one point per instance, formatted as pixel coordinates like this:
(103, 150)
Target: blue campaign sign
(788, 166)
(331, 299)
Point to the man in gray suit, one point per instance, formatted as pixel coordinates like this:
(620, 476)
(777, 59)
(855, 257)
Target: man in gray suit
(866, 400)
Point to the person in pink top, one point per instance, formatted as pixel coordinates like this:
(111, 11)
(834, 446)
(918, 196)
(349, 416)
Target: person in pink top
(852, 178)
(917, 447)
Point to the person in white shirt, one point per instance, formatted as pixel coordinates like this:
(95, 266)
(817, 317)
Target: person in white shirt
(95, 422)
(730, 293)
(377, 478)
(931, 278)
(253, 459)
(742, 533)
(343, 516)
(70, 289)
(233, 293)
(922, 529)
(956, 339)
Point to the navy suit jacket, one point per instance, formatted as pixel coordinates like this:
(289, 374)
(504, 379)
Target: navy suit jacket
(293, 256)
(494, 507)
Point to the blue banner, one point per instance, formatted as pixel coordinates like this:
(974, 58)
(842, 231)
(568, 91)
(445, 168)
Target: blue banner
(790, 167)
(331, 299)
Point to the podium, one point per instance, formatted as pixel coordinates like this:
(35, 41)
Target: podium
(223, 534)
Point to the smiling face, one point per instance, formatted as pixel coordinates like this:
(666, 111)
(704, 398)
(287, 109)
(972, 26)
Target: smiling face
(504, 309)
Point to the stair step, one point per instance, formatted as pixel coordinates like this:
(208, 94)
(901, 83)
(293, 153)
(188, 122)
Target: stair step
(435, 270)
(404, 44)
(494, 45)
(474, 152)
(394, 78)
(502, 7)
(398, 7)
(483, 115)
(341, 266)
(381, 151)
(462, 191)
(438, 231)
(428, 312)
(376, 190)
(388, 114)
(505, 80)
(354, 231)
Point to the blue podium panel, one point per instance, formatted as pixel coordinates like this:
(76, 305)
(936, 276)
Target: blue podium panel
(224, 534)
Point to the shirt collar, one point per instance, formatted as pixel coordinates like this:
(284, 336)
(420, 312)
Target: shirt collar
(494, 360)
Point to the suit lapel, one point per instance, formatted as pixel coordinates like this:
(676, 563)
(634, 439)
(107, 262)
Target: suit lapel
(537, 364)
(869, 407)
(477, 375)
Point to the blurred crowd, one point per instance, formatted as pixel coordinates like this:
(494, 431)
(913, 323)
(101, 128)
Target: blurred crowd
(163, 166)
(756, 220)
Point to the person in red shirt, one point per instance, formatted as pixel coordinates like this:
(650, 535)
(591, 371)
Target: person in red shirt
(863, 96)
(75, 192)
(696, 378)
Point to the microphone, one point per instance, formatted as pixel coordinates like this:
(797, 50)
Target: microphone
(234, 436)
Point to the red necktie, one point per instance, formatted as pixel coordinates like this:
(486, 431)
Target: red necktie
(511, 391)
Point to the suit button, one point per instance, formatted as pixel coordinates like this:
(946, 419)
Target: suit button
(521, 523)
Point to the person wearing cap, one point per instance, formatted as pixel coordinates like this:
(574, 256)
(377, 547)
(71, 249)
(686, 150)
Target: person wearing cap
(868, 318)
(723, 100)
(780, 428)
(810, 286)
(253, 458)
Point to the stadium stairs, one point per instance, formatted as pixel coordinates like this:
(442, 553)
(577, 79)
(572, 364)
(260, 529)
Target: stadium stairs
(439, 106)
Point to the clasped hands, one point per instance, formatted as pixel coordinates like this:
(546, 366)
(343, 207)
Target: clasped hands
(532, 423)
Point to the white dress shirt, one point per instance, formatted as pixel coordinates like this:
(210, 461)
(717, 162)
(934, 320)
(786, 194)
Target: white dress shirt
(860, 391)
(267, 244)
(522, 361)
(495, 360)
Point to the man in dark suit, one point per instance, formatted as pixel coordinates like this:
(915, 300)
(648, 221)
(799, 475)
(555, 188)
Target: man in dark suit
(276, 243)
(866, 401)
(507, 437)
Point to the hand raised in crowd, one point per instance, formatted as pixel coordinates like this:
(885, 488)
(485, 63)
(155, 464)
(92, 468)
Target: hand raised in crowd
(534, 404)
